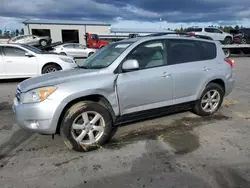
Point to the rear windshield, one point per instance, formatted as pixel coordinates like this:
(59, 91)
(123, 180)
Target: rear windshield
(194, 30)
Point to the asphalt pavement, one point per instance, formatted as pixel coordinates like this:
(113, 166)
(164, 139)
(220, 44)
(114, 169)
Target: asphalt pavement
(176, 151)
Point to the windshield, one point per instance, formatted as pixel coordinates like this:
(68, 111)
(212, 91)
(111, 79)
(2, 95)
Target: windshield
(105, 56)
(32, 48)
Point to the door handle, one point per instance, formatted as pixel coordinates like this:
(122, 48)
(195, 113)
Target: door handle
(206, 68)
(166, 74)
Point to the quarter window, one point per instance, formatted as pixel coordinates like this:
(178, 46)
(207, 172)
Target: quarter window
(13, 51)
(149, 54)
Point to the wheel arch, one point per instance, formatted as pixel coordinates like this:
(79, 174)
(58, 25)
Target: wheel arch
(50, 63)
(95, 97)
(218, 81)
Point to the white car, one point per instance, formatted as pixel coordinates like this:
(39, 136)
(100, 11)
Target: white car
(75, 50)
(23, 61)
(214, 33)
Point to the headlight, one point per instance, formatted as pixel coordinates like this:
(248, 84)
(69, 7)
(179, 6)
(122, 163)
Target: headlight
(37, 95)
(68, 60)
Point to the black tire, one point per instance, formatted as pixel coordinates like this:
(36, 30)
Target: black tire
(198, 107)
(227, 52)
(228, 40)
(243, 41)
(43, 43)
(51, 68)
(76, 111)
(63, 53)
(90, 54)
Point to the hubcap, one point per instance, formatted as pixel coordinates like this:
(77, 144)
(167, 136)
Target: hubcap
(51, 70)
(210, 101)
(43, 43)
(88, 127)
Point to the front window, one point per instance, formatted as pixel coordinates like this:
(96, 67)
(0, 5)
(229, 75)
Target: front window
(105, 56)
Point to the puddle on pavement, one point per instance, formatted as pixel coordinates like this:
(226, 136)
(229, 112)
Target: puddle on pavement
(179, 134)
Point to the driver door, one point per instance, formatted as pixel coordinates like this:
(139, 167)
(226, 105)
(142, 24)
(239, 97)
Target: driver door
(149, 87)
(17, 64)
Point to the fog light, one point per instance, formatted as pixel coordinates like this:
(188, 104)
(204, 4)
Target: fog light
(34, 124)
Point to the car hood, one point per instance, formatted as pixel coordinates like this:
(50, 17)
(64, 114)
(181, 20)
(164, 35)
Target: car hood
(56, 78)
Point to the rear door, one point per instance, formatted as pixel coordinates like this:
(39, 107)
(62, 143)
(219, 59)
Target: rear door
(2, 65)
(188, 67)
(70, 50)
(80, 50)
(17, 64)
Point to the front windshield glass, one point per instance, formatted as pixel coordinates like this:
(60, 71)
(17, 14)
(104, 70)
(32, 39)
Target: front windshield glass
(32, 48)
(105, 56)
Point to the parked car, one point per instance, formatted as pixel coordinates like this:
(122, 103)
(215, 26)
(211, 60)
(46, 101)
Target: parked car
(21, 61)
(214, 33)
(31, 40)
(242, 36)
(74, 50)
(128, 80)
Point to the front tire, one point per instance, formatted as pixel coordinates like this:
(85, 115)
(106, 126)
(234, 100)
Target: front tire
(210, 100)
(51, 68)
(228, 40)
(86, 126)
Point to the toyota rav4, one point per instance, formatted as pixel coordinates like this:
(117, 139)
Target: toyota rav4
(125, 81)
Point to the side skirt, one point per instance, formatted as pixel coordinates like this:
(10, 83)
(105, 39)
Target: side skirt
(153, 113)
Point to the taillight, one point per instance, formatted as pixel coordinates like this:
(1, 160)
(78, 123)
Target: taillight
(230, 62)
(191, 33)
(9, 41)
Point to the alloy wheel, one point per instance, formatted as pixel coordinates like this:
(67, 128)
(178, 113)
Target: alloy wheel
(210, 101)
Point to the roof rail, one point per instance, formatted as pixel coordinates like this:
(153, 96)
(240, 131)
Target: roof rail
(186, 34)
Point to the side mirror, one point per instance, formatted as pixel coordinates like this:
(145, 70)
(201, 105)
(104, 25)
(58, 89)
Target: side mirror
(28, 55)
(130, 65)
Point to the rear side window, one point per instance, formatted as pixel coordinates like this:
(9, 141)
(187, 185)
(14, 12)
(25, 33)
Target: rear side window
(182, 51)
(208, 50)
(194, 30)
(210, 30)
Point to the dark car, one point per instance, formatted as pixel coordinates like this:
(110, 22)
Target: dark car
(242, 36)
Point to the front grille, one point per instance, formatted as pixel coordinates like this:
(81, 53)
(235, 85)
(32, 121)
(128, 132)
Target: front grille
(18, 94)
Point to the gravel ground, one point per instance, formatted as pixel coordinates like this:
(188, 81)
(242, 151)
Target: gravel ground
(176, 151)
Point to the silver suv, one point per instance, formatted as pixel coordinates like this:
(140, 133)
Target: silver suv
(128, 80)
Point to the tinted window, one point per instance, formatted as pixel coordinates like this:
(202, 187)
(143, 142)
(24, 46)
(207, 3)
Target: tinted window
(217, 31)
(13, 51)
(183, 51)
(208, 50)
(69, 46)
(209, 30)
(194, 30)
(149, 54)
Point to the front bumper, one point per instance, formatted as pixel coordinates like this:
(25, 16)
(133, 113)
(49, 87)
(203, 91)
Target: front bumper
(36, 117)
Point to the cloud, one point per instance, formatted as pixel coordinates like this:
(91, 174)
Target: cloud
(116, 11)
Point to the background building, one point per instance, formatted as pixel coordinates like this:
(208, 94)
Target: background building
(64, 30)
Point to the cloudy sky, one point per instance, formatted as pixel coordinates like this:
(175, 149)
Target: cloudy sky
(130, 13)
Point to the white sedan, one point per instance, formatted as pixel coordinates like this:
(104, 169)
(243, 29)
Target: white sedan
(74, 49)
(23, 61)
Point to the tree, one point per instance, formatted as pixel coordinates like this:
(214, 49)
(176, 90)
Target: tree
(17, 32)
(237, 27)
(12, 33)
(1, 32)
(22, 32)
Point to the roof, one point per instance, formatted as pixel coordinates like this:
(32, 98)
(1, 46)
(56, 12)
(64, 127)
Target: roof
(133, 30)
(65, 22)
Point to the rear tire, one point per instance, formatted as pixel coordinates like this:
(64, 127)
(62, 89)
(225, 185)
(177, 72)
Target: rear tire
(86, 126)
(210, 100)
(243, 41)
(227, 53)
(51, 68)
